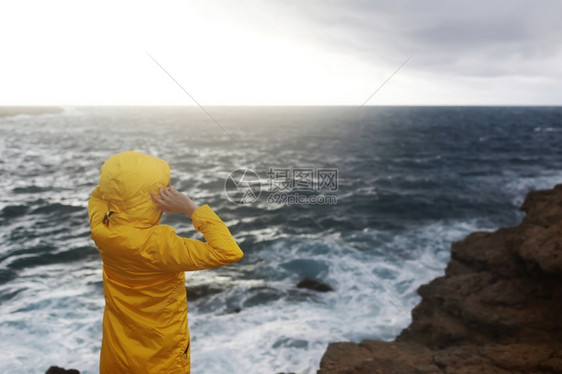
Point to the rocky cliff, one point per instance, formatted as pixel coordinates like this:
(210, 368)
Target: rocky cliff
(497, 309)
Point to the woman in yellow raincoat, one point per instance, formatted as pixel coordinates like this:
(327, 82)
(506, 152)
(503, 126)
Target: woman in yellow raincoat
(145, 326)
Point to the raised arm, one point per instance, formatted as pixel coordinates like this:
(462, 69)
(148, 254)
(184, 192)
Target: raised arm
(177, 253)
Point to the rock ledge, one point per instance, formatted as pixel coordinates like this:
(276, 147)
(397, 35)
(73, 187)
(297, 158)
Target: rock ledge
(497, 309)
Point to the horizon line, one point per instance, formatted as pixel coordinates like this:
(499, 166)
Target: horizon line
(271, 105)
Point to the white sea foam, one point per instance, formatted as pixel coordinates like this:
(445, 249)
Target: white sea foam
(51, 313)
(56, 319)
(286, 335)
(519, 186)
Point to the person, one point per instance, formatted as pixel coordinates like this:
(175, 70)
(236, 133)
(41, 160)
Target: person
(145, 327)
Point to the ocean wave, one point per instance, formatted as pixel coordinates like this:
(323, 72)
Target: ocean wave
(412, 181)
(57, 208)
(34, 189)
(25, 259)
(12, 211)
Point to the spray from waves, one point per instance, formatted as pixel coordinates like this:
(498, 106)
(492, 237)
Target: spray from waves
(54, 318)
(518, 187)
(291, 328)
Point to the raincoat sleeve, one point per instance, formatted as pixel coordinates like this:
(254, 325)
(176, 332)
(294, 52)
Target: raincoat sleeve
(96, 207)
(176, 253)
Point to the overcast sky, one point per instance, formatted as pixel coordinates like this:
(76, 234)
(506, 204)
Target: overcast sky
(281, 52)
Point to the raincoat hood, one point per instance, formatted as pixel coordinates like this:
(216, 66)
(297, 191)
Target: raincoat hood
(126, 181)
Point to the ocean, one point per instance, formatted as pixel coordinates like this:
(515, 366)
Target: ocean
(405, 183)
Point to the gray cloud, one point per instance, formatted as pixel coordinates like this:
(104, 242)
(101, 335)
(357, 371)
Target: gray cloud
(467, 39)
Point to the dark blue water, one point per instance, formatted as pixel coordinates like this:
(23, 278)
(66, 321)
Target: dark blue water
(410, 181)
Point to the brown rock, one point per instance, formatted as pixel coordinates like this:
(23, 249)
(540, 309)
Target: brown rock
(496, 310)
(58, 370)
(543, 208)
(377, 358)
(487, 251)
(314, 285)
(545, 249)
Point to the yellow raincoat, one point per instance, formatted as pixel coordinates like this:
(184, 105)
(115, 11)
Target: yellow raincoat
(145, 318)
